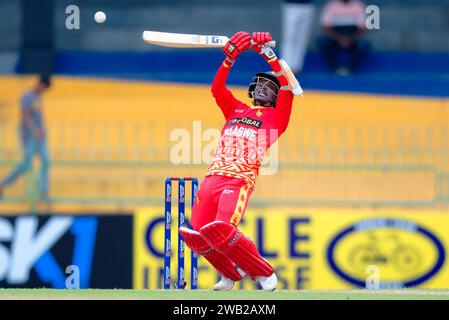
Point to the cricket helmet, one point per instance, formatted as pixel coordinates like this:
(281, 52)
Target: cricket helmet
(263, 89)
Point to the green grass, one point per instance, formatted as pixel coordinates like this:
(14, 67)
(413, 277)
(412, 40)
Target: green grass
(409, 294)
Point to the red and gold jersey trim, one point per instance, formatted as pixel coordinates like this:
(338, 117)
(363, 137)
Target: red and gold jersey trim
(233, 170)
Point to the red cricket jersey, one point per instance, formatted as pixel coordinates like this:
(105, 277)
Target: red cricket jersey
(248, 132)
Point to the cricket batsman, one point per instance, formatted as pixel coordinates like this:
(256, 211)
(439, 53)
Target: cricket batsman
(230, 180)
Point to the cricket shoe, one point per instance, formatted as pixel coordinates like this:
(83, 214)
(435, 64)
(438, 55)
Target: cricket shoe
(268, 283)
(226, 284)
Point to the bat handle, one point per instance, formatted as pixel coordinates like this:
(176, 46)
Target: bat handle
(271, 44)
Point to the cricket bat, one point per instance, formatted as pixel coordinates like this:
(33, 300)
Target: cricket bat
(295, 87)
(181, 40)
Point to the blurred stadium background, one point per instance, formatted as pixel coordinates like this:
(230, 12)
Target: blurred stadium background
(373, 145)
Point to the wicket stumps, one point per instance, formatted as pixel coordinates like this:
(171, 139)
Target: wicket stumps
(181, 222)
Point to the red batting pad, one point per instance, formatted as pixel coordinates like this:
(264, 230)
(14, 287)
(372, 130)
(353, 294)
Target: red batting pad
(218, 234)
(224, 265)
(228, 240)
(193, 239)
(219, 261)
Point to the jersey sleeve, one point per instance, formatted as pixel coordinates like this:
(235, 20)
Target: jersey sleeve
(224, 98)
(283, 109)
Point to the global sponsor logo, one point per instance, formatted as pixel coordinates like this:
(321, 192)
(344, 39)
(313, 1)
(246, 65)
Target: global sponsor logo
(246, 121)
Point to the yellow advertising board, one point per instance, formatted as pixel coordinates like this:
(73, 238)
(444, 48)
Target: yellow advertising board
(319, 249)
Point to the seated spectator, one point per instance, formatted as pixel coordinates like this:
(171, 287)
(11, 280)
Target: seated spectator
(343, 22)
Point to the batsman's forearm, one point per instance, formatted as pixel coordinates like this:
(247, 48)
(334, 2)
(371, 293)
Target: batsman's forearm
(269, 56)
(276, 67)
(219, 83)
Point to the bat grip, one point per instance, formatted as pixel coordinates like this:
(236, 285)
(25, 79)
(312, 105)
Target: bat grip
(271, 44)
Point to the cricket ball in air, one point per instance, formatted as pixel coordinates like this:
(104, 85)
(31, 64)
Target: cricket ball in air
(100, 17)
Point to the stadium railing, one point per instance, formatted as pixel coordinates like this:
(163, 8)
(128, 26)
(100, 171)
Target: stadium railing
(123, 164)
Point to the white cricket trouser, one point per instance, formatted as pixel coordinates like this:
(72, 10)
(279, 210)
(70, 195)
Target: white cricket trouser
(297, 20)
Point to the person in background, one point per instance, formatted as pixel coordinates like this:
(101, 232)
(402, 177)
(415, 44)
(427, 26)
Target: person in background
(33, 137)
(343, 23)
(297, 20)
